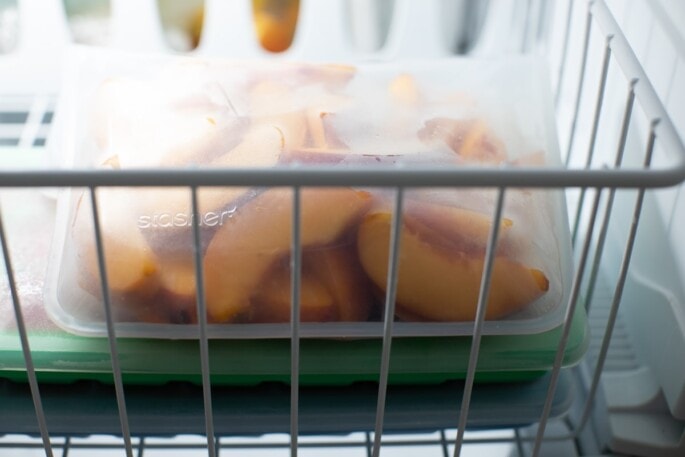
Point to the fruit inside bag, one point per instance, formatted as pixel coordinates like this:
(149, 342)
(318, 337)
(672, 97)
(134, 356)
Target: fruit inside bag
(216, 114)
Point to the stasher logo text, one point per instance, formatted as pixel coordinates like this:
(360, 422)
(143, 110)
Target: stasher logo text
(181, 219)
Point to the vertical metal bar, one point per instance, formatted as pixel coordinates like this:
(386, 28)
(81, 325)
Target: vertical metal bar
(568, 318)
(519, 443)
(564, 52)
(610, 201)
(295, 272)
(202, 322)
(67, 447)
(141, 446)
(593, 134)
(111, 335)
(368, 446)
(217, 445)
(618, 291)
(480, 318)
(25, 347)
(443, 443)
(581, 80)
(389, 318)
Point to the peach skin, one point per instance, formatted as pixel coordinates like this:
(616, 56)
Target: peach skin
(440, 284)
(247, 246)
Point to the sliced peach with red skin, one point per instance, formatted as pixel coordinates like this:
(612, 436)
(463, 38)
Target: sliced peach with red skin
(443, 285)
(455, 226)
(249, 243)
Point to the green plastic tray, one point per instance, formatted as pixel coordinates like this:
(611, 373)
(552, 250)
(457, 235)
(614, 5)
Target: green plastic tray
(62, 357)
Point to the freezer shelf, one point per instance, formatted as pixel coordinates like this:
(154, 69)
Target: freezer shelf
(84, 408)
(606, 42)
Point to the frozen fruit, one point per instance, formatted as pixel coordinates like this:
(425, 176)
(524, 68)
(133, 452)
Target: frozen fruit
(471, 139)
(442, 284)
(247, 246)
(339, 269)
(405, 90)
(130, 263)
(272, 301)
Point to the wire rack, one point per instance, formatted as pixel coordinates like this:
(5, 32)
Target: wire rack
(599, 79)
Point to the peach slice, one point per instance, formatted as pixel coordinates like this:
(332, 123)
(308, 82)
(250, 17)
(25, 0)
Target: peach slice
(458, 227)
(442, 285)
(150, 125)
(333, 76)
(340, 271)
(178, 278)
(165, 214)
(261, 147)
(131, 265)
(471, 139)
(322, 136)
(276, 104)
(245, 248)
(405, 90)
(272, 302)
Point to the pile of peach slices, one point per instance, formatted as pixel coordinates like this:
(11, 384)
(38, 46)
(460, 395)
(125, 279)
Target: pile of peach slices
(275, 120)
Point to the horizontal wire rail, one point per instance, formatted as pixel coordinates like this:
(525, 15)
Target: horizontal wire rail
(400, 178)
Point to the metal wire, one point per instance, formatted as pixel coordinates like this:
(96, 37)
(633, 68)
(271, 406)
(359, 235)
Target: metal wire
(141, 447)
(389, 317)
(610, 179)
(377, 177)
(25, 346)
(67, 446)
(564, 53)
(604, 230)
(480, 318)
(444, 444)
(581, 80)
(595, 127)
(296, 272)
(111, 335)
(618, 292)
(566, 329)
(202, 324)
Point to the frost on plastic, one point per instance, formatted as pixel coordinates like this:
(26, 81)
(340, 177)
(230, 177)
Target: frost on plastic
(140, 112)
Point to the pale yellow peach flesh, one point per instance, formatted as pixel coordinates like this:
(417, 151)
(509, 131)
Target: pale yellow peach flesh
(272, 303)
(444, 285)
(244, 249)
(405, 90)
(340, 271)
(130, 263)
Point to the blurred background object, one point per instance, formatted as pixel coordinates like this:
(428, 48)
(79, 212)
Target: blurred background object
(9, 25)
(89, 21)
(182, 23)
(275, 23)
